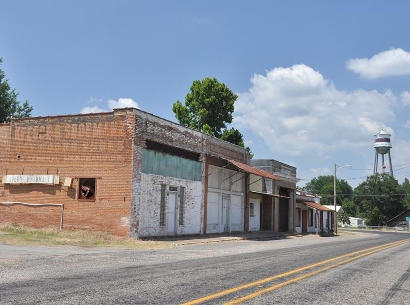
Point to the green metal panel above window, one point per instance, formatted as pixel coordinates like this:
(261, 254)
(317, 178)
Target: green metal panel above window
(158, 163)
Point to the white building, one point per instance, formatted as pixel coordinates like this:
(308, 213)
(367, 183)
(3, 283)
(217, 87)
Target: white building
(311, 216)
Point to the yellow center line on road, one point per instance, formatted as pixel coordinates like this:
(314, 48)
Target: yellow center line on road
(294, 280)
(274, 277)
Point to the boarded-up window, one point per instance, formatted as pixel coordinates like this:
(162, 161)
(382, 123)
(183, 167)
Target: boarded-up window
(181, 205)
(162, 206)
(163, 164)
(251, 209)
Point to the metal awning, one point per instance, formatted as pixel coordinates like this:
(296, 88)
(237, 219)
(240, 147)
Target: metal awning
(269, 194)
(317, 206)
(253, 170)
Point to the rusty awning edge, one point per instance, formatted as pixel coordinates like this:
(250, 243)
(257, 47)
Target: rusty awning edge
(253, 170)
(269, 194)
(317, 206)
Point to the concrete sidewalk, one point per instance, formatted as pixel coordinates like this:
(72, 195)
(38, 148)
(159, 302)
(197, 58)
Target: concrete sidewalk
(215, 238)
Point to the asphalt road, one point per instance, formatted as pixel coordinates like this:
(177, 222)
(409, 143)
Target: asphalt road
(70, 275)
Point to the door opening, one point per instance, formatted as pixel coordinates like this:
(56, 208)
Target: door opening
(172, 206)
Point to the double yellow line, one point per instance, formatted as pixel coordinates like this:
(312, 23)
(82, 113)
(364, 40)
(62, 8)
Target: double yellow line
(352, 256)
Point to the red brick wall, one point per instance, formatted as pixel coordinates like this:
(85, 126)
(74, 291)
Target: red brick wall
(95, 145)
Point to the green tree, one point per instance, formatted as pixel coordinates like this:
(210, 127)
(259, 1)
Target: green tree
(343, 217)
(208, 108)
(10, 107)
(349, 208)
(323, 186)
(233, 135)
(379, 198)
(406, 190)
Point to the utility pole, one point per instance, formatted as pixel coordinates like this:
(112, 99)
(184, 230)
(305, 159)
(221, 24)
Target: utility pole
(334, 201)
(334, 195)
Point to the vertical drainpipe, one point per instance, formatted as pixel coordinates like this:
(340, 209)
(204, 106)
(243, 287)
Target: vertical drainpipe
(205, 185)
(246, 199)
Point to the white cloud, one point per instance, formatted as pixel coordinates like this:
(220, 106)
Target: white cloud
(111, 104)
(92, 109)
(296, 111)
(400, 158)
(405, 98)
(123, 103)
(387, 63)
(407, 124)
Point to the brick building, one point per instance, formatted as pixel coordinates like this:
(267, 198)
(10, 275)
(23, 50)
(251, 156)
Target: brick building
(127, 172)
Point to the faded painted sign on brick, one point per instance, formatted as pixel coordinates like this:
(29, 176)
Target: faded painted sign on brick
(30, 179)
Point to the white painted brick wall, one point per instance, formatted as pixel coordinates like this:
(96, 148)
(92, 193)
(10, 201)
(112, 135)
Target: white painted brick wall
(149, 205)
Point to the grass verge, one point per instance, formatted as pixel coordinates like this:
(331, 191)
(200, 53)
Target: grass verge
(18, 235)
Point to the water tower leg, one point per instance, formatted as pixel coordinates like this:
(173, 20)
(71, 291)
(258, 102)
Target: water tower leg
(383, 166)
(391, 166)
(375, 163)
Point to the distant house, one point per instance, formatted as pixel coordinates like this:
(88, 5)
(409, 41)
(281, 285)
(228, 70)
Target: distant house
(339, 208)
(357, 222)
(311, 216)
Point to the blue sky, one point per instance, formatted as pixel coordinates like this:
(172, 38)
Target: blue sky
(303, 99)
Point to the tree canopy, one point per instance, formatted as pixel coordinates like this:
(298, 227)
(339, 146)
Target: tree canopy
(406, 190)
(323, 186)
(208, 108)
(10, 107)
(379, 198)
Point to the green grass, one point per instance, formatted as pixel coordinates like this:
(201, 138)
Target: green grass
(18, 235)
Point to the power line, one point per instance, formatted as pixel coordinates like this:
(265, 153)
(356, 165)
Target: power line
(367, 195)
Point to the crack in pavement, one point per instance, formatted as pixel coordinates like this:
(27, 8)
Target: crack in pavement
(396, 287)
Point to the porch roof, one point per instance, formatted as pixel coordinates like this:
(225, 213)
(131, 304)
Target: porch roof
(253, 170)
(317, 206)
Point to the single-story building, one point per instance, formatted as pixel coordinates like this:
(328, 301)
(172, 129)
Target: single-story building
(273, 200)
(311, 216)
(127, 172)
(355, 222)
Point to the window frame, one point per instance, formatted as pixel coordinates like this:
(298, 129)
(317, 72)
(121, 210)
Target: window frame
(94, 198)
(251, 209)
(298, 222)
(162, 205)
(310, 220)
(181, 208)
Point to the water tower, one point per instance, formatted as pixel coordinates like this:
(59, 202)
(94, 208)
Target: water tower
(382, 147)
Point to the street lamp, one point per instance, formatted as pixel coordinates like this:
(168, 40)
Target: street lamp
(334, 195)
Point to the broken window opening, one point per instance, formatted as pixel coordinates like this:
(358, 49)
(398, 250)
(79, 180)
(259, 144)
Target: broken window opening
(87, 189)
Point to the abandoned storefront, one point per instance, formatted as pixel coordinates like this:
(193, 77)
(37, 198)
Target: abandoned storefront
(225, 198)
(311, 216)
(127, 172)
(273, 198)
(132, 173)
(230, 205)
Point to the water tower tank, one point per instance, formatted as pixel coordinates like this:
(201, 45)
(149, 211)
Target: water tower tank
(382, 142)
(382, 147)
